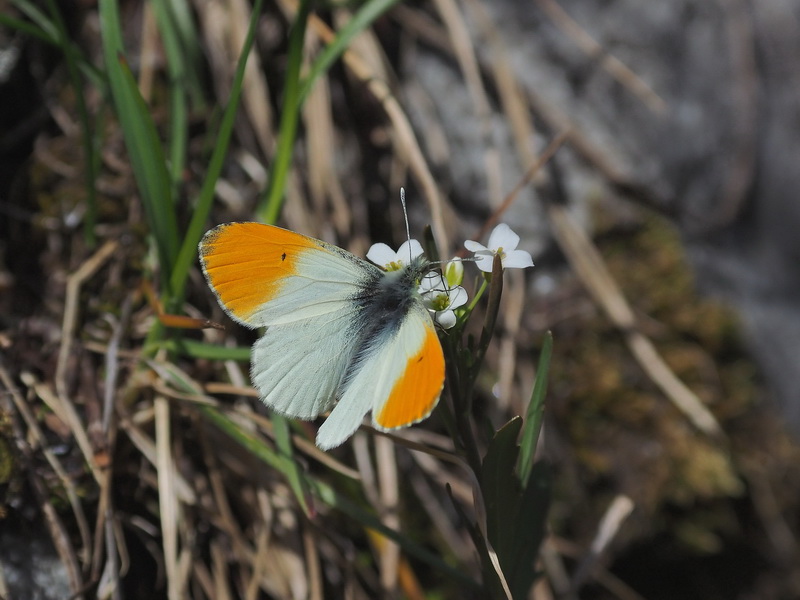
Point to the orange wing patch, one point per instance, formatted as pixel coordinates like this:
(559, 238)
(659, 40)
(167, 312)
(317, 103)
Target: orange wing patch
(418, 389)
(245, 263)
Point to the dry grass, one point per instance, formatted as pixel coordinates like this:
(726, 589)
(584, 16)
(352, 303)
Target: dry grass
(143, 494)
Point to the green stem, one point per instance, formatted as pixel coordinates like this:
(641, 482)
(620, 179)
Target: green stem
(188, 251)
(272, 201)
(458, 423)
(492, 310)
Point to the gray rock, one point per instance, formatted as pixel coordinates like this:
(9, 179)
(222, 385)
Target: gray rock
(716, 148)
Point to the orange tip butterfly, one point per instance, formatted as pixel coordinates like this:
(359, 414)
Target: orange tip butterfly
(340, 332)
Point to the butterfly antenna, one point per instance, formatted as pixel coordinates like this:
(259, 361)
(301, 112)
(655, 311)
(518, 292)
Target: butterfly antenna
(405, 216)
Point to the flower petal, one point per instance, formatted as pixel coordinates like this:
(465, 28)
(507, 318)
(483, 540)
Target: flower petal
(485, 261)
(458, 296)
(431, 281)
(381, 254)
(517, 259)
(446, 318)
(403, 253)
(474, 246)
(503, 237)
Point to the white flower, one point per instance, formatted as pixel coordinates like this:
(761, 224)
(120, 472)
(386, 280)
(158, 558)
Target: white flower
(441, 298)
(383, 256)
(502, 242)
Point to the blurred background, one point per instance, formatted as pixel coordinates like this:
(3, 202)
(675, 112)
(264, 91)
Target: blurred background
(647, 155)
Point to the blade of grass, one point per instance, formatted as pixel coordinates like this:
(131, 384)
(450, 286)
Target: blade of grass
(271, 201)
(38, 16)
(530, 522)
(535, 413)
(188, 251)
(282, 461)
(258, 448)
(28, 29)
(283, 440)
(330, 496)
(167, 497)
(499, 486)
(43, 29)
(180, 14)
(177, 67)
(143, 145)
(336, 500)
(195, 349)
(89, 161)
(362, 19)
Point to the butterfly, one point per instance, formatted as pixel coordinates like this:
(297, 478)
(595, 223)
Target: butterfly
(341, 334)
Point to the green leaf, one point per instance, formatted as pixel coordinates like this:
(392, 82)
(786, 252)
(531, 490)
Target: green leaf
(500, 487)
(515, 516)
(535, 412)
(43, 29)
(181, 22)
(177, 67)
(141, 140)
(253, 444)
(294, 475)
(272, 201)
(197, 349)
(528, 531)
(490, 320)
(175, 377)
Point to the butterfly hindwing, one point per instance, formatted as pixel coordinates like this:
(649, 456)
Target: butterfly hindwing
(298, 367)
(400, 380)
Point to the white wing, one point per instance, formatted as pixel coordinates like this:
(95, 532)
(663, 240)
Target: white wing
(265, 275)
(301, 289)
(306, 293)
(399, 378)
(297, 367)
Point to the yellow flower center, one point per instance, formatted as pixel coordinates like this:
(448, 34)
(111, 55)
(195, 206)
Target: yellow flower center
(395, 265)
(440, 302)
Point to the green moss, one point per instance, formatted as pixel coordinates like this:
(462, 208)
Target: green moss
(6, 462)
(619, 425)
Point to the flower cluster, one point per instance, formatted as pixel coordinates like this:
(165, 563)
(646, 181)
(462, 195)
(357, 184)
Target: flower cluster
(442, 294)
(441, 298)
